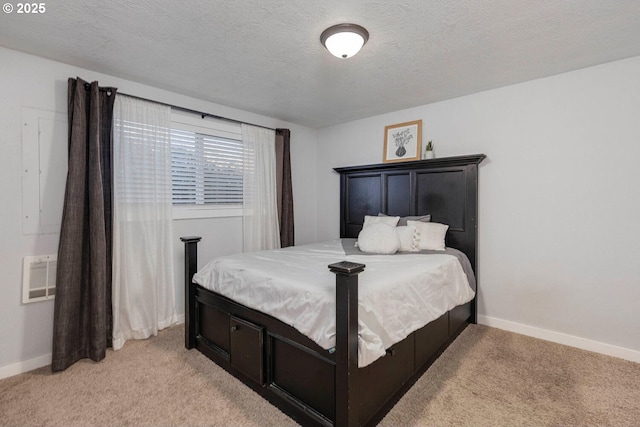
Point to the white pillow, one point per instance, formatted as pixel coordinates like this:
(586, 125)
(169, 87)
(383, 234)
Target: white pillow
(431, 234)
(408, 240)
(390, 220)
(379, 239)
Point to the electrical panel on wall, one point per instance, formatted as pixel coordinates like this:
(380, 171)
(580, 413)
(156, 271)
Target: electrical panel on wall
(44, 170)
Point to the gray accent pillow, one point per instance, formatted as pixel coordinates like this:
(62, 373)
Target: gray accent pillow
(404, 219)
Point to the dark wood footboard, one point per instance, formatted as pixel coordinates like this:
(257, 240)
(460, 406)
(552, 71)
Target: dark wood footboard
(313, 386)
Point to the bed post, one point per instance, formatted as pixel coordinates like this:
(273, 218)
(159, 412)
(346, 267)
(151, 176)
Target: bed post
(190, 268)
(346, 406)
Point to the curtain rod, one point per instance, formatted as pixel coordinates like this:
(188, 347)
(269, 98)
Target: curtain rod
(200, 113)
(187, 110)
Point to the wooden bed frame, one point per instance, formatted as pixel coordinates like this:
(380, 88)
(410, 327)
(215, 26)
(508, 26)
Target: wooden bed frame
(311, 385)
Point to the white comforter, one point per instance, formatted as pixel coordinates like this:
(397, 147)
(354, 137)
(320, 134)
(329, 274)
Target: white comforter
(397, 294)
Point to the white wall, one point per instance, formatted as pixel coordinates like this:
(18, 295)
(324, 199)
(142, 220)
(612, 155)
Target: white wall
(29, 81)
(559, 199)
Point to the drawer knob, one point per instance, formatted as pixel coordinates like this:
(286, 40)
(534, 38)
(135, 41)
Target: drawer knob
(391, 351)
(234, 328)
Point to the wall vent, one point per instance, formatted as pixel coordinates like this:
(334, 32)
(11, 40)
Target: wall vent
(39, 278)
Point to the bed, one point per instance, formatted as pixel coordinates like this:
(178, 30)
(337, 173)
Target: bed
(321, 387)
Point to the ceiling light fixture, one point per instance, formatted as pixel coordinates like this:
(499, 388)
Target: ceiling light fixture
(344, 40)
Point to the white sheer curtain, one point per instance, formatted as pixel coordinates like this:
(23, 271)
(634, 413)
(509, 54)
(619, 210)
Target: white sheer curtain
(143, 275)
(260, 220)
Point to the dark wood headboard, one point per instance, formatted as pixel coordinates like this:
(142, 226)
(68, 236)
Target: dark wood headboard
(446, 188)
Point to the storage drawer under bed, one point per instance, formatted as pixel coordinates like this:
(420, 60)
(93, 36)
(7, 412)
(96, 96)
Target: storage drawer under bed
(238, 341)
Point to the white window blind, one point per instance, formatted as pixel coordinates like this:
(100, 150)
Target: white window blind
(206, 163)
(138, 183)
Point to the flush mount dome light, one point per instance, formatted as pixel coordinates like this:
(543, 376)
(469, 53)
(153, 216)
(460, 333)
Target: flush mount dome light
(344, 40)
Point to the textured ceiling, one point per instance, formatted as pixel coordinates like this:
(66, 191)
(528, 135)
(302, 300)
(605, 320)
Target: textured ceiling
(265, 56)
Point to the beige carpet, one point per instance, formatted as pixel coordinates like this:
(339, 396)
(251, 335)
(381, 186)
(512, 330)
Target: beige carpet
(487, 377)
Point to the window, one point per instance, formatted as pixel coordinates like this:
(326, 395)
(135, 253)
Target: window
(206, 167)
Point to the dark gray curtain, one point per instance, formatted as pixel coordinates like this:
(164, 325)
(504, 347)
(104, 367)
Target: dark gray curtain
(285, 190)
(82, 322)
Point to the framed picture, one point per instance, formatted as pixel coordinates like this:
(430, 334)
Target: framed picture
(403, 141)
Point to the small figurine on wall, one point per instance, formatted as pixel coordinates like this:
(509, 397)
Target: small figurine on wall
(428, 151)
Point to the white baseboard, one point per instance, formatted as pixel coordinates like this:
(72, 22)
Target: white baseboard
(560, 338)
(39, 362)
(25, 366)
